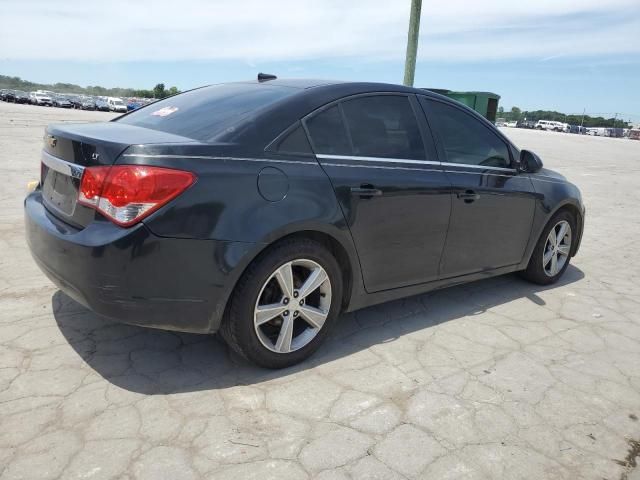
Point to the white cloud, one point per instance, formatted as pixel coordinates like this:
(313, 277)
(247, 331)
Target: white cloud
(273, 30)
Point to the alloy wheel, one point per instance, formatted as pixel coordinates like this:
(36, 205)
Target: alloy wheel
(557, 248)
(292, 306)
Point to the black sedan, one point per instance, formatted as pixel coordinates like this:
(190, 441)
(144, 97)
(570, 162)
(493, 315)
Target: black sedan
(88, 104)
(75, 101)
(101, 105)
(21, 97)
(264, 209)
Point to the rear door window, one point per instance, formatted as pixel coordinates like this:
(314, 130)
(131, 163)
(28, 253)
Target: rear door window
(327, 132)
(383, 126)
(203, 113)
(295, 142)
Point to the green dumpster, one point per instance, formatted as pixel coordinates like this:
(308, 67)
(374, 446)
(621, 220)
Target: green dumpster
(485, 103)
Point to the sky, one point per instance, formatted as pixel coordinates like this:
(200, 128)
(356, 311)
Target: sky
(560, 55)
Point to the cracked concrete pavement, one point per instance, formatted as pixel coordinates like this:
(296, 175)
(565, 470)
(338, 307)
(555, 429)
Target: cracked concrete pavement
(495, 379)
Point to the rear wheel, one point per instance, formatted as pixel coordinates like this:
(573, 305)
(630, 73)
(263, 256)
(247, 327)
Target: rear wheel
(285, 304)
(552, 253)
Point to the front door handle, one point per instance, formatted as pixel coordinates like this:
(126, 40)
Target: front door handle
(468, 196)
(366, 191)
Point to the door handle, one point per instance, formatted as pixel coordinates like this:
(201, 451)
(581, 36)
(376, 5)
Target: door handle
(366, 191)
(468, 196)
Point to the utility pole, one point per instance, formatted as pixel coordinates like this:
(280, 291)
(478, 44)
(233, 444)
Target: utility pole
(582, 119)
(412, 42)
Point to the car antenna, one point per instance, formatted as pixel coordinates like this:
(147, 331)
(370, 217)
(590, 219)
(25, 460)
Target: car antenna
(264, 77)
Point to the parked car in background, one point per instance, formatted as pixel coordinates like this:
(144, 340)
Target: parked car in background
(37, 98)
(75, 100)
(6, 95)
(102, 105)
(133, 106)
(88, 104)
(116, 105)
(263, 209)
(61, 101)
(21, 97)
(598, 131)
(577, 129)
(552, 125)
(526, 124)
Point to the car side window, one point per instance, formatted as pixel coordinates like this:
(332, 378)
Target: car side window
(295, 142)
(327, 132)
(383, 126)
(464, 139)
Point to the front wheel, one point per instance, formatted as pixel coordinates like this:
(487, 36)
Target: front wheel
(550, 257)
(284, 304)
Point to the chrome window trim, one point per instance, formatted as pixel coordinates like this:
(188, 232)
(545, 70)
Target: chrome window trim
(62, 166)
(207, 157)
(376, 159)
(380, 167)
(479, 167)
(559, 182)
(496, 174)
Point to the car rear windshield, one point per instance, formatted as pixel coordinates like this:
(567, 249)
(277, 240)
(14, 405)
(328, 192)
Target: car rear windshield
(204, 113)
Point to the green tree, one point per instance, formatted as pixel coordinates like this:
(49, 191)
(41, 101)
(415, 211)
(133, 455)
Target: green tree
(516, 113)
(20, 84)
(159, 91)
(173, 91)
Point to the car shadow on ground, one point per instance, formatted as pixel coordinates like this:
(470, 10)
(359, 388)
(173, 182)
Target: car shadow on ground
(160, 362)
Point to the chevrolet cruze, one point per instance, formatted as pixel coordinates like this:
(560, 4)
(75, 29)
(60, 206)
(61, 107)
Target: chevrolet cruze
(263, 209)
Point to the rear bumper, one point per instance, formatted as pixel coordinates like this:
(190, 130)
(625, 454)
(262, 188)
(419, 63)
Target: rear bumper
(133, 276)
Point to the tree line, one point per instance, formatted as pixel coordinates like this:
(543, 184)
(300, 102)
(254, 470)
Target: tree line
(17, 83)
(572, 119)
(160, 91)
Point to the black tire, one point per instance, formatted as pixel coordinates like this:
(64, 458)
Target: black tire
(535, 271)
(238, 329)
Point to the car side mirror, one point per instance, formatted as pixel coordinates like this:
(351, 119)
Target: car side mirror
(530, 162)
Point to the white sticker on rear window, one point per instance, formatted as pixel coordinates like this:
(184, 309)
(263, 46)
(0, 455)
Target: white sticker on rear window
(163, 112)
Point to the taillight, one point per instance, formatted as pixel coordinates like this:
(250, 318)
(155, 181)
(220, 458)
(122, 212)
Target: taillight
(127, 193)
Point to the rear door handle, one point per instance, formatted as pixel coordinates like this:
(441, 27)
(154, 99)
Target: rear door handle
(468, 196)
(366, 191)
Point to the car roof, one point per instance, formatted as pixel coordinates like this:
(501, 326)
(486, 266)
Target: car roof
(311, 94)
(340, 85)
(302, 83)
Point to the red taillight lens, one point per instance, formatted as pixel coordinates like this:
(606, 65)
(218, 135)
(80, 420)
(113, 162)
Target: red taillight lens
(91, 185)
(128, 193)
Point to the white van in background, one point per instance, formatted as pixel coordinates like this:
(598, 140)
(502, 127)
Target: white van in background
(116, 105)
(552, 125)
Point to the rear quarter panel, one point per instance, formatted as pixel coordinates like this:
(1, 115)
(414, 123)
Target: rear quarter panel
(226, 204)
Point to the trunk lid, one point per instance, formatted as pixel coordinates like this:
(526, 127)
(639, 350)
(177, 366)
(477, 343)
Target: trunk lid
(69, 149)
